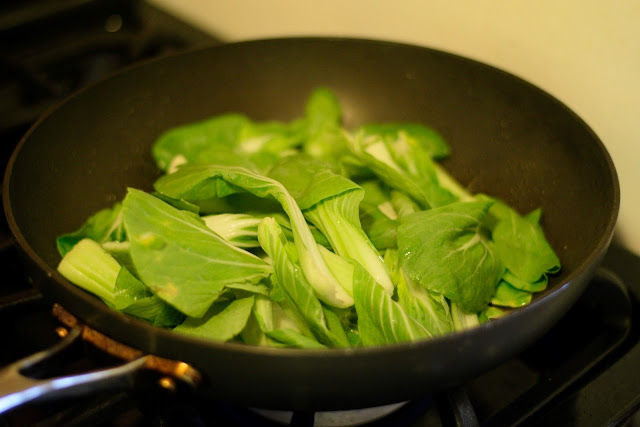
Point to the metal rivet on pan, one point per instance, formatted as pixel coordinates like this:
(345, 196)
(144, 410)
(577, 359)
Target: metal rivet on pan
(62, 332)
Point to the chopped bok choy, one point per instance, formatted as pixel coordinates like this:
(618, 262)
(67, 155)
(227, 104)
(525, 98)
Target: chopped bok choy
(305, 234)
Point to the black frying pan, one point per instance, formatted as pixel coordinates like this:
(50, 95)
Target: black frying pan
(509, 139)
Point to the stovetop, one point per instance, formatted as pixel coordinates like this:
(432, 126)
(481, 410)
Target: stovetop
(583, 372)
(50, 48)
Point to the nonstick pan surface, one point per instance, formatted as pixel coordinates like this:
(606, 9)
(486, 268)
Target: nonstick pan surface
(508, 139)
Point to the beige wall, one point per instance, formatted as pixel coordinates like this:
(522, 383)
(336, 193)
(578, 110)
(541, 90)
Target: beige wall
(586, 53)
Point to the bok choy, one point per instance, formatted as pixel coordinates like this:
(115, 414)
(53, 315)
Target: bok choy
(306, 234)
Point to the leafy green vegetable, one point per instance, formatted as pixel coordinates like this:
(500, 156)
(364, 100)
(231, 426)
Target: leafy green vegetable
(154, 310)
(428, 139)
(121, 252)
(298, 291)
(201, 182)
(378, 216)
(381, 320)
(268, 233)
(402, 204)
(89, 266)
(430, 309)
(490, 313)
(231, 139)
(276, 324)
(403, 164)
(462, 319)
(103, 226)
(179, 258)
(325, 138)
(508, 296)
(521, 244)
(293, 338)
(448, 251)
(330, 201)
(536, 286)
(222, 322)
(240, 230)
(189, 140)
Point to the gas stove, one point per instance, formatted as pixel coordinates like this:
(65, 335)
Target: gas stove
(51, 48)
(583, 372)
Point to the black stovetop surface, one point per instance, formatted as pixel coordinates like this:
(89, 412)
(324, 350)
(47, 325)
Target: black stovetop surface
(583, 372)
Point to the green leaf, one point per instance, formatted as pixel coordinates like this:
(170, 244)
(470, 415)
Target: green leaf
(128, 289)
(404, 165)
(155, 311)
(181, 204)
(201, 182)
(263, 312)
(292, 338)
(508, 296)
(463, 320)
(252, 334)
(447, 250)
(534, 216)
(521, 244)
(121, 252)
(403, 204)
(382, 320)
(330, 202)
(322, 110)
(269, 137)
(430, 309)
(490, 313)
(310, 181)
(222, 322)
(90, 267)
(334, 324)
(239, 229)
(103, 226)
(297, 289)
(227, 139)
(180, 259)
(254, 288)
(536, 286)
(283, 315)
(378, 216)
(325, 139)
(190, 140)
(271, 318)
(428, 139)
(341, 268)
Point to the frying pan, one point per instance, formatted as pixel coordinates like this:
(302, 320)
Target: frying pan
(509, 139)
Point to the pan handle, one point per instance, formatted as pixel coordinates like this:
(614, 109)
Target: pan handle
(19, 382)
(26, 380)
